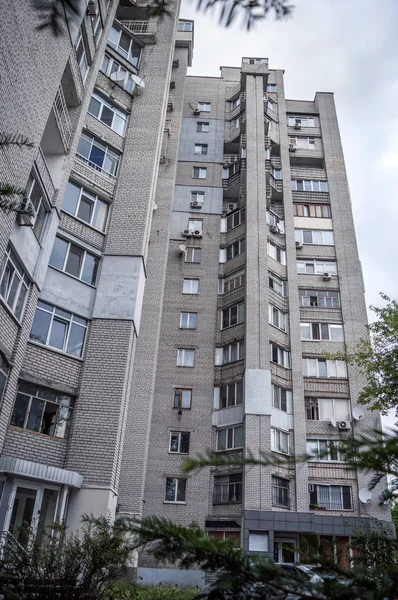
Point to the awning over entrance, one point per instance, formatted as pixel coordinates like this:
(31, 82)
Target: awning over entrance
(27, 468)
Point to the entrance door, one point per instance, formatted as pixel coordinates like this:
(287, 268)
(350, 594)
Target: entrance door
(22, 513)
(285, 551)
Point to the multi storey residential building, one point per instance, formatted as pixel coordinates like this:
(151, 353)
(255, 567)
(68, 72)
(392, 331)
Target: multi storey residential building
(183, 258)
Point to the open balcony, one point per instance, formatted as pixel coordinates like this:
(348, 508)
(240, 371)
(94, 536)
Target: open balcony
(144, 30)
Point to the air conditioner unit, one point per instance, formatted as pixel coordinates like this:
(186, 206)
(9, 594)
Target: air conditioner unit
(327, 277)
(344, 425)
(197, 203)
(274, 228)
(172, 85)
(299, 245)
(162, 160)
(297, 125)
(197, 234)
(196, 112)
(187, 233)
(26, 213)
(292, 148)
(311, 487)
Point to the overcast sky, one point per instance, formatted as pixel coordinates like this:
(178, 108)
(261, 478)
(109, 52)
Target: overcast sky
(349, 47)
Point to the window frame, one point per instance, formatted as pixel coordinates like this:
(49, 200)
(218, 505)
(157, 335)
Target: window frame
(315, 185)
(191, 251)
(61, 420)
(277, 435)
(271, 88)
(41, 208)
(195, 224)
(186, 26)
(232, 283)
(202, 126)
(236, 248)
(202, 149)
(323, 455)
(315, 495)
(240, 350)
(234, 219)
(16, 272)
(227, 315)
(279, 282)
(200, 171)
(177, 491)
(105, 148)
(297, 141)
(328, 364)
(275, 486)
(83, 61)
(274, 251)
(204, 106)
(281, 318)
(305, 121)
(230, 439)
(328, 266)
(281, 353)
(237, 397)
(127, 55)
(181, 357)
(335, 300)
(320, 327)
(127, 84)
(190, 316)
(179, 435)
(116, 112)
(4, 373)
(86, 253)
(302, 235)
(277, 400)
(179, 398)
(230, 489)
(322, 211)
(313, 406)
(96, 200)
(190, 293)
(70, 323)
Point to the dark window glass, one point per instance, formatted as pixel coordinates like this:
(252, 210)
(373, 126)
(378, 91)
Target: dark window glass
(76, 340)
(86, 208)
(58, 253)
(41, 324)
(90, 269)
(74, 263)
(58, 334)
(184, 443)
(35, 415)
(19, 412)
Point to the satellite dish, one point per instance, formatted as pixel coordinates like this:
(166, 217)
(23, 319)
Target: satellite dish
(117, 76)
(333, 422)
(138, 81)
(365, 495)
(358, 413)
(182, 247)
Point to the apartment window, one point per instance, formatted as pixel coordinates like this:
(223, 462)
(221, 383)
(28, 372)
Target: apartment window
(190, 286)
(322, 331)
(258, 541)
(74, 260)
(198, 197)
(85, 205)
(195, 225)
(199, 173)
(281, 398)
(184, 26)
(179, 442)
(14, 284)
(279, 441)
(110, 66)
(305, 143)
(225, 535)
(254, 61)
(125, 45)
(202, 126)
(231, 394)
(188, 320)
(277, 318)
(41, 410)
(276, 252)
(233, 315)
(96, 24)
(235, 103)
(182, 398)
(200, 149)
(236, 122)
(303, 121)
(204, 106)
(309, 185)
(267, 154)
(175, 490)
(230, 353)
(106, 112)
(268, 124)
(280, 491)
(327, 409)
(316, 267)
(236, 249)
(271, 88)
(192, 255)
(331, 497)
(237, 218)
(319, 211)
(227, 489)
(280, 356)
(319, 298)
(81, 54)
(4, 370)
(185, 357)
(229, 285)
(35, 194)
(278, 285)
(271, 105)
(323, 450)
(98, 155)
(230, 438)
(318, 367)
(58, 329)
(315, 236)
(275, 221)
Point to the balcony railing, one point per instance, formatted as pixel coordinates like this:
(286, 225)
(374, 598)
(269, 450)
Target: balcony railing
(231, 181)
(45, 175)
(62, 118)
(227, 493)
(230, 158)
(145, 30)
(94, 174)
